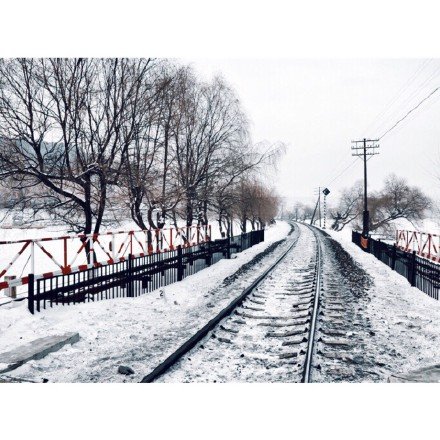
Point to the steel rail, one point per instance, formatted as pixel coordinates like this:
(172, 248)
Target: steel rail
(310, 343)
(165, 365)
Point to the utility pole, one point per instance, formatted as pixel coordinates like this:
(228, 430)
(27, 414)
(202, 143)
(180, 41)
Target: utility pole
(318, 203)
(365, 148)
(314, 212)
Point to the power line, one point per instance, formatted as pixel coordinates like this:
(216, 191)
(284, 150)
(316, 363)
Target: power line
(394, 111)
(400, 92)
(409, 112)
(342, 172)
(336, 168)
(411, 99)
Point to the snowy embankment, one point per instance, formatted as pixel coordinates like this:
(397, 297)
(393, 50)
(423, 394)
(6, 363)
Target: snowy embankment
(138, 332)
(405, 320)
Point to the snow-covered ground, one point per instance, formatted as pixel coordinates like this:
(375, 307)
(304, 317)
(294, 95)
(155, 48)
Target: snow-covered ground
(138, 332)
(405, 321)
(240, 349)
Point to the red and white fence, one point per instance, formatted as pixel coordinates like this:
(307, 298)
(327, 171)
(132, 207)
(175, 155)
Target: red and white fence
(47, 257)
(425, 245)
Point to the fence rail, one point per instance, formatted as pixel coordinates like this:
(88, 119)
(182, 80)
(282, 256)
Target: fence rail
(51, 256)
(135, 275)
(424, 244)
(420, 272)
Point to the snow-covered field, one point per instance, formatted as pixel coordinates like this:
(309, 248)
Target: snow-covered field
(138, 332)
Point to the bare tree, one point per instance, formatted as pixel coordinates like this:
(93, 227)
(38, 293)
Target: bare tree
(397, 200)
(148, 174)
(255, 203)
(349, 207)
(80, 135)
(65, 126)
(210, 129)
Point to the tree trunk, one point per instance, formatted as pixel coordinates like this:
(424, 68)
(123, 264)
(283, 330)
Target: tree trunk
(189, 213)
(150, 218)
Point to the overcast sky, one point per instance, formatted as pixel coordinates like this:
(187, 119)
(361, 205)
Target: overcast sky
(318, 106)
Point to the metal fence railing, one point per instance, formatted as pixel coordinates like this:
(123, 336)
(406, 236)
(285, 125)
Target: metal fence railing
(420, 272)
(133, 276)
(50, 256)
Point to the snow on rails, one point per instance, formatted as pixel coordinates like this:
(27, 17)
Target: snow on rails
(281, 305)
(75, 253)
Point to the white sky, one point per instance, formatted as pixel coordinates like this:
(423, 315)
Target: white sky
(317, 106)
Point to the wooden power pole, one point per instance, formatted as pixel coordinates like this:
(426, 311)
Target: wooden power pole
(365, 148)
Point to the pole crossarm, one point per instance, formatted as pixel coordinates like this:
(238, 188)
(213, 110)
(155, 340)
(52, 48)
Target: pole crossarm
(367, 147)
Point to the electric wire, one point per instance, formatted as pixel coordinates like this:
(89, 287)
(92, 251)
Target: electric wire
(399, 93)
(335, 169)
(410, 100)
(409, 112)
(342, 172)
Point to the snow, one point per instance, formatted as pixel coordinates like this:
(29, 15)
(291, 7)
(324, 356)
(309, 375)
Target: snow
(141, 332)
(241, 350)
(405, 320)
(388, 326)
(138, 332)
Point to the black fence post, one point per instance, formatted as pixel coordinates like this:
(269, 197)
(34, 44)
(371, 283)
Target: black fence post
(31, 279)
(130, 280)
(393, 257)
(209, 254)
(179, 263)
(228, 248)
(262, 234)
(413, 269)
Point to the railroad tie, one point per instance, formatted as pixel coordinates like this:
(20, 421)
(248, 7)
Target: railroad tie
(295, 341)
(288, 355)
(287, 334)
(227, 329)
(287, 324)
(338, 342)
(255, 309)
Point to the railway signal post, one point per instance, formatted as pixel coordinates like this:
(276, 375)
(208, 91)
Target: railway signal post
(365, 148)
(326, 192)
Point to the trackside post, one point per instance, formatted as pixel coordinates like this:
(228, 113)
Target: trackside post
(130, 280)
(413, 269)
(208, 254)
(179, 263)
(228, 247)
(31, 293)
(393, 257)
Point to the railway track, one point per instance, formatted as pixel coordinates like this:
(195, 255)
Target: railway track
(267, 334)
